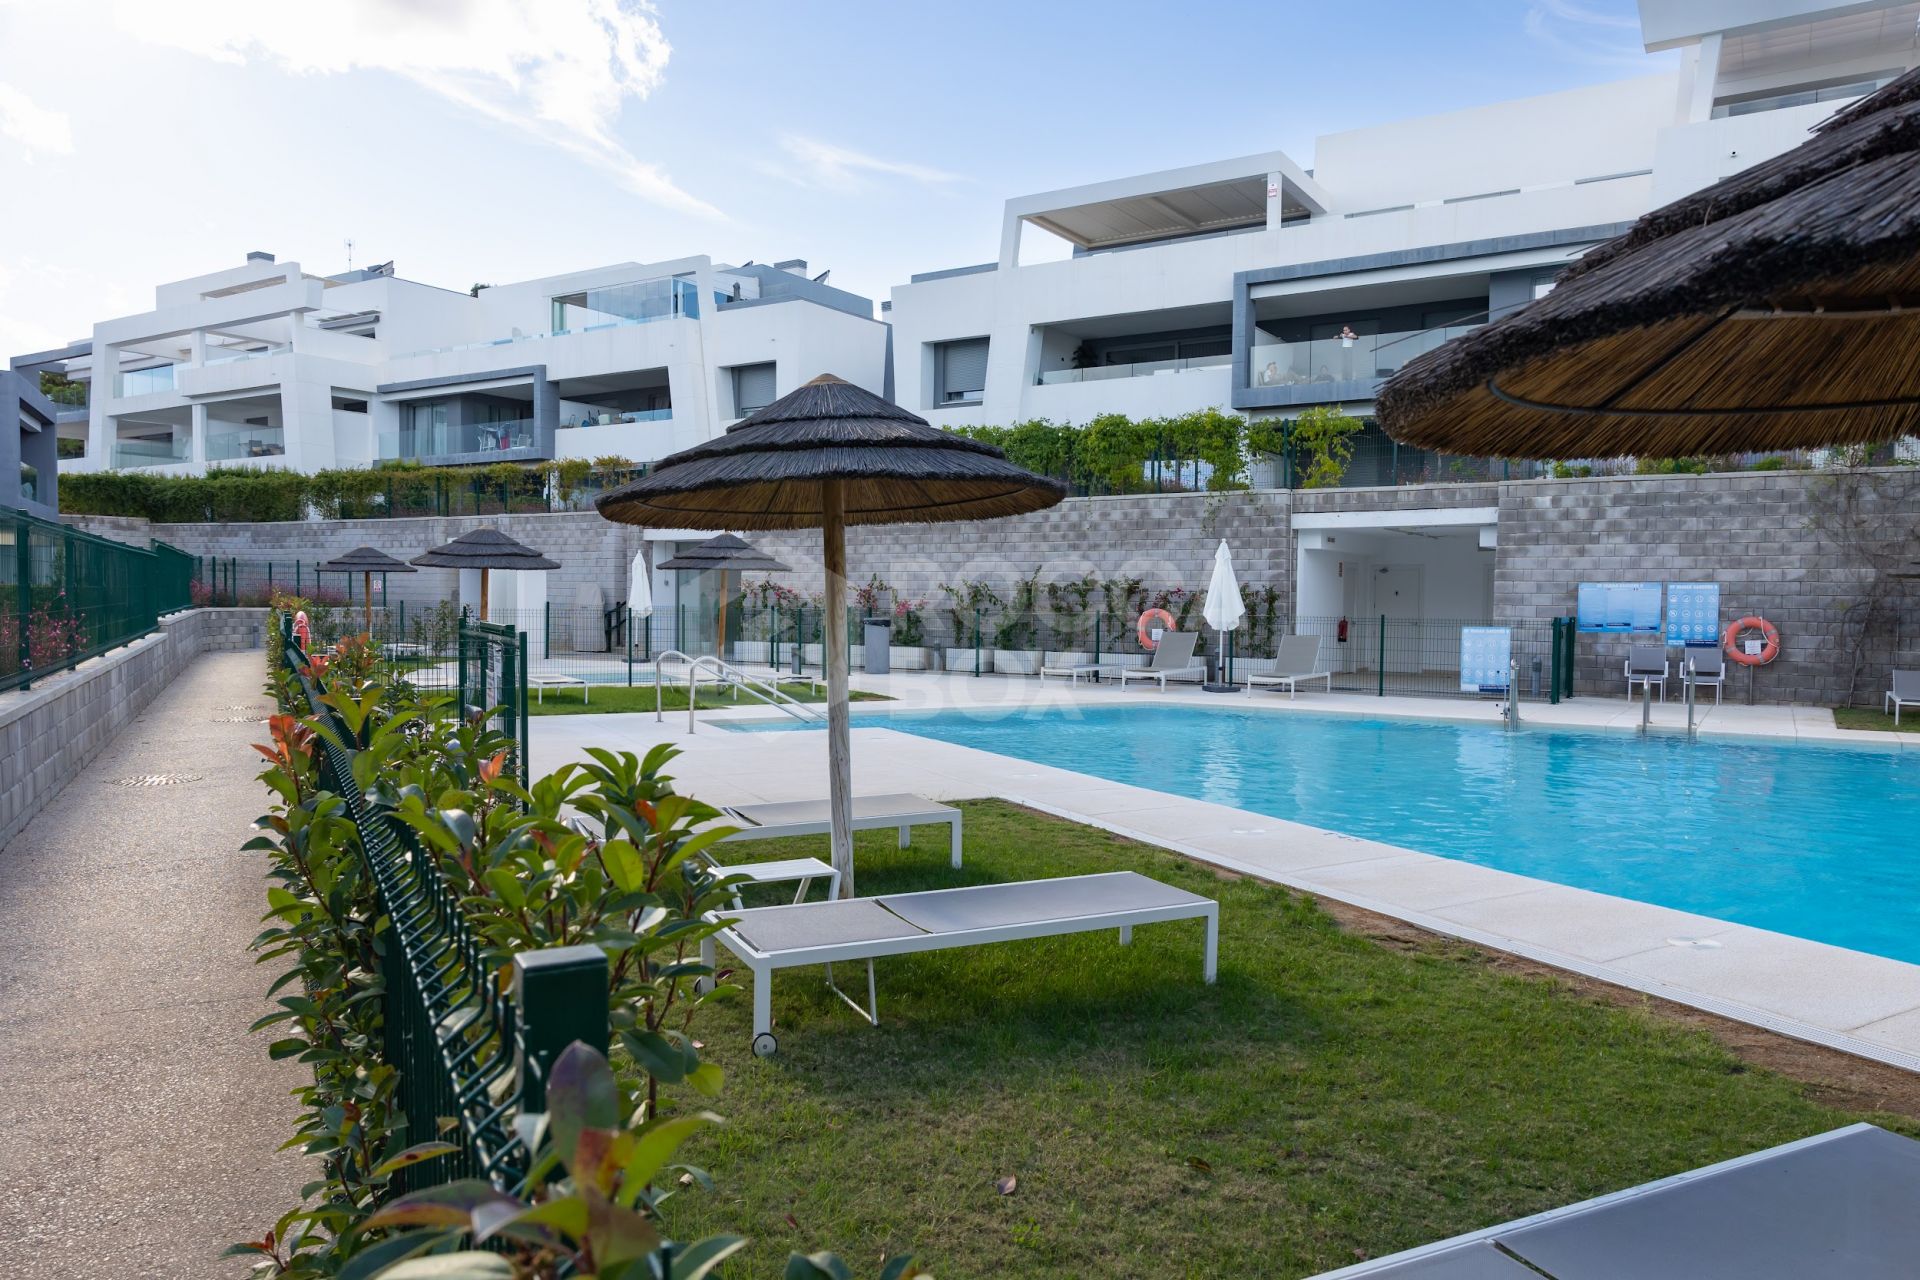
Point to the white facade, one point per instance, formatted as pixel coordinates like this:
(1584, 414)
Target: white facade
(266, 365)
(1257, 285)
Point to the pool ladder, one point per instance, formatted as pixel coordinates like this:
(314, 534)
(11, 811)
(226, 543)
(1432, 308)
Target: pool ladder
(1511, 711)
(1686, 682)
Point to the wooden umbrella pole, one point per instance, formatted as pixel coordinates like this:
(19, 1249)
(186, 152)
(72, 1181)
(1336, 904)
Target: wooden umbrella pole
(833, 540)
(483, 595)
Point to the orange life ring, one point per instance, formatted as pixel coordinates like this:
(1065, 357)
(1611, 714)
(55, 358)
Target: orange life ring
(1145, 632)
(1769, 641)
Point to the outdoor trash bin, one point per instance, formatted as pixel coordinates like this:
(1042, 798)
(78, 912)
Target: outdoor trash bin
(879, 642)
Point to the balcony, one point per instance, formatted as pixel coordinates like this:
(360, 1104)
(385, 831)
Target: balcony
(237, 356)
(149, 453)
(513, 441)
(246, 443)
(617, 417)
(1140, 369)
(146, 382)
(1341, 361)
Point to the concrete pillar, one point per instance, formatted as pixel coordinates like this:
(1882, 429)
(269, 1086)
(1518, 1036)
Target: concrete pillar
(198, 345)
(197, 438)
(100, 424)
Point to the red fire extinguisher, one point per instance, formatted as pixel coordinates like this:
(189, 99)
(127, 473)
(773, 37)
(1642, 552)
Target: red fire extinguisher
(1341, 635)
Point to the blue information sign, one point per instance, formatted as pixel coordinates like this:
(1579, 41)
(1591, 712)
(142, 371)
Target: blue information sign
(1624, 607)
(1693, 613)
(1486, 657)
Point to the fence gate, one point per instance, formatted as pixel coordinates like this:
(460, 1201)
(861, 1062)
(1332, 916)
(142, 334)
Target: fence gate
(493, 678)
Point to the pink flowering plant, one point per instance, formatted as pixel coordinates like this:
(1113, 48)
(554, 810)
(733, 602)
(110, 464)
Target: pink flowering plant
(908, 629)
(54, 634)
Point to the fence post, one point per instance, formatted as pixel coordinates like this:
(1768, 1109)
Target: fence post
(1096, 646)
(1553, 681)
(546, 628)
(1380, 671)
(23, 588)
(559, 995)
(233, 580)
(976, 641)
(296, 577)
(518, 688)
(269, 579)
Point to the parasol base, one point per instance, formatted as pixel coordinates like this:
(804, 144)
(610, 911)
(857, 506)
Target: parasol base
(1214, 687)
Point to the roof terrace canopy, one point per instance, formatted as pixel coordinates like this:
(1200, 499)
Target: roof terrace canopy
(1221, 196)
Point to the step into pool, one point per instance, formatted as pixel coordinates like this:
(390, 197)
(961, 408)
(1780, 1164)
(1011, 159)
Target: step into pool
(1816, 841)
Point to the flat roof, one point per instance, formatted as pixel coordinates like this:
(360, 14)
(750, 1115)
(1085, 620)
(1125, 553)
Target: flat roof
(1217, 196)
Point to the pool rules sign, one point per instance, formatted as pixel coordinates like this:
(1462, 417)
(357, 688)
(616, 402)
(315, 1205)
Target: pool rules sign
(1693, 613)
(1486, 658)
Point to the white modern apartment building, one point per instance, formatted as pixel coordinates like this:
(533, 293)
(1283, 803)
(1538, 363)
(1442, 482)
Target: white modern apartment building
(1260, 285)
(268, 365)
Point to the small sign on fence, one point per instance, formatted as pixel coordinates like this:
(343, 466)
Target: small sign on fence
(1486, 659)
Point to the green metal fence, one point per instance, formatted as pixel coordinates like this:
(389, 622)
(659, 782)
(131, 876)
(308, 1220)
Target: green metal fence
(471, 1054)
(66, 596)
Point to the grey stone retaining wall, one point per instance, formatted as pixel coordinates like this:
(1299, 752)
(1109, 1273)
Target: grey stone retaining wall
(50, 732)
(1800, 548)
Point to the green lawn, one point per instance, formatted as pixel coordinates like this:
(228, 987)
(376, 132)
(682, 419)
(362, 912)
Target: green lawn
(1869, 718)
(608, 698)
(1332, 1098)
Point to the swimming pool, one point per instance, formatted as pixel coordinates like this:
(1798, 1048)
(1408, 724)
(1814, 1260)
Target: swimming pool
(1819, 842)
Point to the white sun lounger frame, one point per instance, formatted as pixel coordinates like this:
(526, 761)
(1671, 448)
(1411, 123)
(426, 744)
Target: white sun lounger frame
(906, 812)
(764, 964)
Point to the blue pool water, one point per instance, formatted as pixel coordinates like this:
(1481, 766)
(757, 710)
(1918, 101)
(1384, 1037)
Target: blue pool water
(1819, 842)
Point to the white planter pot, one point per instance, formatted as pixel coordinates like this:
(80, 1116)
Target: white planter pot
(1264, 473)
(961, 660)
(909, 658)
(1068, 657)
(1016, 662)
(1244, 667)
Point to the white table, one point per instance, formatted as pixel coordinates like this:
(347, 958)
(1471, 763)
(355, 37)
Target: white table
(540, 683)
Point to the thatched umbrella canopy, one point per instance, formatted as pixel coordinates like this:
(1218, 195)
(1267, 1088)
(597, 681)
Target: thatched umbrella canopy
(826, 456)
(365, 561)
(484, 549)
(727, 554)
(1777, 309)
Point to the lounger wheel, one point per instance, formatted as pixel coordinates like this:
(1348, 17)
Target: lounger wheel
(764, 1045)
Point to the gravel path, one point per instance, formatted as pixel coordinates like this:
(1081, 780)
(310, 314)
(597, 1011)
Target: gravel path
(139, 1119)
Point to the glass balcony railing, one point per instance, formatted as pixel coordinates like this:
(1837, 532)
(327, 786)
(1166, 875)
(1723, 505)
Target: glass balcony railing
(615, 307)
(145, 382)
(1362, 358)
(1140, 369)
(446, 440)
(71, 398)
(252, 442)
(615, 417)
(149, 453)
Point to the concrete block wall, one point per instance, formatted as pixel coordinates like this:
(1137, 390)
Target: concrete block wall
(50, 732)
(1800, 548)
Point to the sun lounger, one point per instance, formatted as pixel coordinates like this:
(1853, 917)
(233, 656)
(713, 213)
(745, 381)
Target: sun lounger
(870, 813)
(541, 683)
(1298, 659)
(1173, 660)
(1905, 693)
(1836, 1204)
(1647, 665)
(768, 939)
(1709, 669)
(1074, 672)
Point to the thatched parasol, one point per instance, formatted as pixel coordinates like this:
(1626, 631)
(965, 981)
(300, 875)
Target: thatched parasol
(830, 455)
(365, 561)
(727, 554)
(486, 550)
(1777, 309)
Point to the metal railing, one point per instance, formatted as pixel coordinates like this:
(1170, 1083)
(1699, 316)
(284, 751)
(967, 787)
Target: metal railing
(66, 596)
(725, 674)
(465, 1050)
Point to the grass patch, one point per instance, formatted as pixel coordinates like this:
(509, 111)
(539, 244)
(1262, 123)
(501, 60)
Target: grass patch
(610, 698)
(1870, 718)
(1332, 1098)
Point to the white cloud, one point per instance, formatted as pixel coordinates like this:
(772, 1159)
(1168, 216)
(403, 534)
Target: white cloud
(559, 69)
(824, 164)
(1584, 35)
(33, 126)
(1570, 12)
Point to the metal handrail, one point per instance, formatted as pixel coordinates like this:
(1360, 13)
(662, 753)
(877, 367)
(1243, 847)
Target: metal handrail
(727, 674)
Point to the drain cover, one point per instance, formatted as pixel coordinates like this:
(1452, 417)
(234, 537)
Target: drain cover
(258, 717)
(159, 779)
(249, 707)
(1707, 944)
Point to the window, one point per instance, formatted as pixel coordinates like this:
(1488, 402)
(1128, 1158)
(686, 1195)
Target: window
(752, 388)
(348, 404)
(960, 371)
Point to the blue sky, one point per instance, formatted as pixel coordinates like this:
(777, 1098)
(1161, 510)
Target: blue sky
(495, 140)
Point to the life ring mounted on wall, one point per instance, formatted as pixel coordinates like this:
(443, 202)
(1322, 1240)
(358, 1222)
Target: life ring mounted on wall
(1769, 641)
(1145, 630)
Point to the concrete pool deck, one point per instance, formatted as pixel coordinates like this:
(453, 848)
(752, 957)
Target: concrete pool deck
(1863, 1004)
